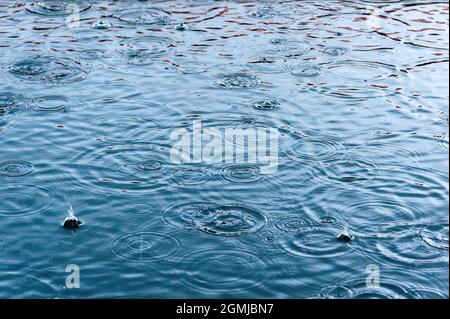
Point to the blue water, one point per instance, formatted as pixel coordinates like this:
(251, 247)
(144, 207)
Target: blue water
(358, 91)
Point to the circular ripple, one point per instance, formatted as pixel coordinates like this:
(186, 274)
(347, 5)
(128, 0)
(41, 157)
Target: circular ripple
(291, 51)
(223, 271)
(345, 25)
(218, 220)
(232, 122)
(29, 67)
(305, 70)
(123, 128)
(16, 168)
(51, 103)
(317, 148)
(242, 173)
(427, 293)
(149, 166)
(192, 67)
(57, 7)
(268, 64)
(443, 141)
(89, 35)
(317, 242)
(93, 54)
(140, 209)
(237, 81)
(279, 41)
(442, 117)
(363, 70)
(118, 168)
(144, 246)
(335, 51)
(286, 137)
(406, 245)
(137, 168)
(22, 200)
(348, 171)
(230, 221)
(329, 220)
(353, 91)
(275, 201)
(190, 177)
(293, 224)
(183, 215)
(372, 215)
(11, 102)
(262, 12)
(266, 105)
(144, 50)
(357, 289)
(403, 180)
(143, 16)
(435, 236)
(49, 69)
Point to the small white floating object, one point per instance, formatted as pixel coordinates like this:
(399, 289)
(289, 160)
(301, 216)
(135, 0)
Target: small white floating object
(102, 25)
(181, 27)
(71, 221)
(345, 236)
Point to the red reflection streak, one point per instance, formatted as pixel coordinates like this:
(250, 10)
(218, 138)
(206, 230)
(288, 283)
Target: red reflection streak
(239, 22)
(234, 36)
(220, 14)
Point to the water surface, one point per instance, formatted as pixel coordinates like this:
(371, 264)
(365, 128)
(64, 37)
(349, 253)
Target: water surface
(357, 89)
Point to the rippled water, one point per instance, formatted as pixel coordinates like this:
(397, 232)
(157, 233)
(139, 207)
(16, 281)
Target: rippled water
(358, 91)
